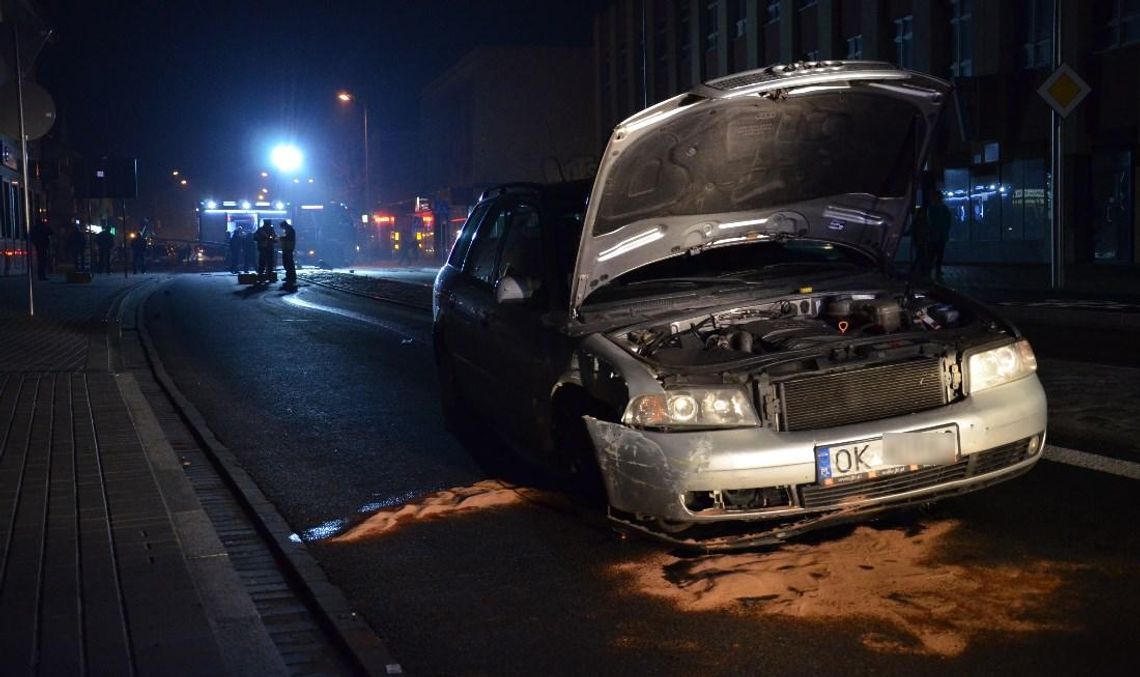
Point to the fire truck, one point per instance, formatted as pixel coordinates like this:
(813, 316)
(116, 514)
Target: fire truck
(326, 234)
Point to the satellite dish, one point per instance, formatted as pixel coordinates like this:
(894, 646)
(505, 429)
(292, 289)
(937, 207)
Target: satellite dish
(39, 111)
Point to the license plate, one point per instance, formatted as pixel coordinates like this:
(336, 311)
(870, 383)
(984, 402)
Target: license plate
(889, 454)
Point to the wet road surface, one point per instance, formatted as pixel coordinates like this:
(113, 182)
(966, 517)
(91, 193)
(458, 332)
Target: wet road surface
(463, 566)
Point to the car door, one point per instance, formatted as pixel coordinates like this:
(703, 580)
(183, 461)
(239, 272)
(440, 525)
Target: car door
(517, 343)
(470, 297)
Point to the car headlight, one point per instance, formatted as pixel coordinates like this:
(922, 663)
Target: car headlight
(1001, 365)
(692, 408)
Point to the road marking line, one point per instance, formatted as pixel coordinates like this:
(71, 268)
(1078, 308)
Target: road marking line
(1082, 459)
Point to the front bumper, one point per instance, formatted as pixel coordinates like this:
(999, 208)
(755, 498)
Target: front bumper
(648, 474)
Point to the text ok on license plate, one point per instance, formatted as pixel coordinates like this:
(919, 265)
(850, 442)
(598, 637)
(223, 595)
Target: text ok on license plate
(891, 453)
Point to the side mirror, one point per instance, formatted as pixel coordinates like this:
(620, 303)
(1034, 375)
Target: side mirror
(512, 290)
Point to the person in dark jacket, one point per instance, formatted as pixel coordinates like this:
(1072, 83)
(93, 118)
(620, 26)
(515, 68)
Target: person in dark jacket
(77, 247)
(138, 253)
(41, 240)
(236, 249)
(266, 239)
(288, 242)
(248, 250)
(938, 222)
(104, 242)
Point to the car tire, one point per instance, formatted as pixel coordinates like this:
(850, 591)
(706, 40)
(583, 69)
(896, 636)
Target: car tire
(574, 461)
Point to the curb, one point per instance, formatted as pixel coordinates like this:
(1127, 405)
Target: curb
(365, 648)
(385, 299)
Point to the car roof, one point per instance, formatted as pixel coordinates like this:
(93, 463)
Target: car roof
(566, 190)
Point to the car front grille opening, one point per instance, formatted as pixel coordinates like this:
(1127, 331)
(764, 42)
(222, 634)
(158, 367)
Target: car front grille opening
(736, 500)
(859, 395)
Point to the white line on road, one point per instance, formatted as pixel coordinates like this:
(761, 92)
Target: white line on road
(1082, 459)
(360, 317)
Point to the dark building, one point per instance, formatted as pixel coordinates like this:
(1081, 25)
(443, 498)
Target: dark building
(509, 114)
(993, 159)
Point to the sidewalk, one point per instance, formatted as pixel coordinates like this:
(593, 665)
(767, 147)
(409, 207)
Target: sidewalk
(106, 563)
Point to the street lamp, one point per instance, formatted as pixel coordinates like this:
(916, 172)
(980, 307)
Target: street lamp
(348, 97)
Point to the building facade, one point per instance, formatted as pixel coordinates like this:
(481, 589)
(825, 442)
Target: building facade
(993, 157)
(509, 114)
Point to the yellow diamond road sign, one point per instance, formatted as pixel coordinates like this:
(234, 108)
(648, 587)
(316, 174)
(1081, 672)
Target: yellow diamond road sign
(1064, 90)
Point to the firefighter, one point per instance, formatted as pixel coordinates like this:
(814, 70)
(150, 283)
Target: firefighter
(288, 244)
(266, 238)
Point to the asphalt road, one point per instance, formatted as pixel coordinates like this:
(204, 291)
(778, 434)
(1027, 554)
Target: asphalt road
(329, 402)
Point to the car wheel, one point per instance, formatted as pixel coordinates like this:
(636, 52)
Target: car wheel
(574, 460)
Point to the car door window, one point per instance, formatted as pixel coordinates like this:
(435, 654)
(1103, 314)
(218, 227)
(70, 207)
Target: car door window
(484, 252)
(522, 249)
(463, 242)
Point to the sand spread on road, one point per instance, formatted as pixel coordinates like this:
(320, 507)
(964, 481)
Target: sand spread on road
(886, 575)
(479, 496)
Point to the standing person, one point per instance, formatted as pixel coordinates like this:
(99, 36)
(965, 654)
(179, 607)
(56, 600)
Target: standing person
(405, 241)
(138, 254)
(235, 249)
(266, 238)
(288, 245)
(247, 250)
(920, 233)
(41, 240)
(104, 242)
(77, 246)
(938, 232)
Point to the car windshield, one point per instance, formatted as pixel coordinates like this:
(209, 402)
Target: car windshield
(756, 263)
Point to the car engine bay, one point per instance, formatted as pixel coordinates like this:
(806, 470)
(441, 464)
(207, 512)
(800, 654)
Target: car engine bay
(795, 323)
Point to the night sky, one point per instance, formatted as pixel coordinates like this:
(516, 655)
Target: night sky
(207, 87)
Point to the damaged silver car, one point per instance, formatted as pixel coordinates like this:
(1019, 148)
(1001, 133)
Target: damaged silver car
(715, 321)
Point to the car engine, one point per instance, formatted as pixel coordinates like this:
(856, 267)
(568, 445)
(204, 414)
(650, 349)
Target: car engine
(791, 324)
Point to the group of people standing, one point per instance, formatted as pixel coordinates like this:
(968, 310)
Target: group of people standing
(76, 245)
(264, 240)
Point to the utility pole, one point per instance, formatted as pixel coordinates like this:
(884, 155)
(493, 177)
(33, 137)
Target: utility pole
(367, 176)
(24, 167)
(1057, 162)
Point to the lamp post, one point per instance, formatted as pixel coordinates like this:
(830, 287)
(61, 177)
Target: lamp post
(347, 97)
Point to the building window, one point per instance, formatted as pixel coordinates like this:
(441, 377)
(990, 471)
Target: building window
(1119, 22)
(741, 18)
(962, 36)
(904, 41)
(1039, 34)
(855, 47)
(712, 21)
(773, 11)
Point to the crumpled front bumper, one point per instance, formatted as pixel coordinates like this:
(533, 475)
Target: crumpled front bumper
(647, 473)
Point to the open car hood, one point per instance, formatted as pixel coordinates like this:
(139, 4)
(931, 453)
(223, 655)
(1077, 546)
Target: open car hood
(825, 151)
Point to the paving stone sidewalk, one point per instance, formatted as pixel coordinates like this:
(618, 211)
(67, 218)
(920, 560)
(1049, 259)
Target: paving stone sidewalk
(94, 577)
